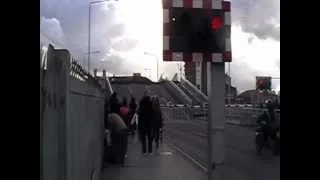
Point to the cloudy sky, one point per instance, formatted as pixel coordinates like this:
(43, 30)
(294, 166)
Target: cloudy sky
(123, 30)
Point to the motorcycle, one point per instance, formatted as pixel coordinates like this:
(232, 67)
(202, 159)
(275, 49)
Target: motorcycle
(260, 137)
(276, 146)
(263, 142)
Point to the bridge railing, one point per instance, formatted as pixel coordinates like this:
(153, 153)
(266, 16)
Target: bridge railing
(177, 92)
(196, 92)
(233, 115)
(175, 112)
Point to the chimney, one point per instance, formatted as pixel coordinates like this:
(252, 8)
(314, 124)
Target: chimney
(104, 74)
(95, 72)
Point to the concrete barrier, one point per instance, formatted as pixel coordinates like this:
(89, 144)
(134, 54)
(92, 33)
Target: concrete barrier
(71, 121)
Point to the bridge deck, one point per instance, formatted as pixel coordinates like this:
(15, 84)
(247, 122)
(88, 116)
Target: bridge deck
(164, 163)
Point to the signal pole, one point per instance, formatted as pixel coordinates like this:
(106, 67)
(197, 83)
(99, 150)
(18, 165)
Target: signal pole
(219, 54)
(229, 85)
(216, 119)
(216, 115)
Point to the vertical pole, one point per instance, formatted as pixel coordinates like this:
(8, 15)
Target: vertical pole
(229, 85)
(89, 37)
(216, 119)
(157, 59)
(68, 132)
(208, 66)
(41, 113)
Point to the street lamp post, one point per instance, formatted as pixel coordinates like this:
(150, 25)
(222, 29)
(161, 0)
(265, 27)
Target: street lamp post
(89, 28)
(229, 85)
(89, 37)
(157, 59)
(148, 71)
(87, 54)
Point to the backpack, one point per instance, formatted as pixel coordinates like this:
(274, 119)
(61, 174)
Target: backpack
(124, 114)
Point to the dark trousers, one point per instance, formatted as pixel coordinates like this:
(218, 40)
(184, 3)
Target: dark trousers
(156, 132)
(119, 146)
(144, 136)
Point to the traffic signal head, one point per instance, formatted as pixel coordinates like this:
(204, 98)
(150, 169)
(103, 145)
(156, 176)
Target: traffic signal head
(197, 30)
(263, 83)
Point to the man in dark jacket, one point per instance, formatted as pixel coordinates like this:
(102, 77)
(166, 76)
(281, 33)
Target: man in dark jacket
(114, 103)
(144, 125)
(157, 120)
(133, 104)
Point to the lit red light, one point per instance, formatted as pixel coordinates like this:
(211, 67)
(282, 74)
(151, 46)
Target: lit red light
(216, 23)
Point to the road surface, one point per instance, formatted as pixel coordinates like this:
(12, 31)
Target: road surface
(242, 162)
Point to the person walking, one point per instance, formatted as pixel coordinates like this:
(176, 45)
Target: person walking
(114, 103)
(157, 120)
(118, 131)
(124, 111)
(144, 125)
(124, 114)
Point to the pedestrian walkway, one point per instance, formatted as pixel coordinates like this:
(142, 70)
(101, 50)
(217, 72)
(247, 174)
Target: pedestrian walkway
(164, 164)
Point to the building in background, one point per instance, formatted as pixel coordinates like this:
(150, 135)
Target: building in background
(197, 74)
(257, 97)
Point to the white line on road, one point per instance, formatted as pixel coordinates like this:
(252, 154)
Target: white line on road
(190, 132)
(189, 157)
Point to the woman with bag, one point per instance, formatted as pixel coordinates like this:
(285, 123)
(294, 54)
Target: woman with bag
(133, 116)
(133, 124)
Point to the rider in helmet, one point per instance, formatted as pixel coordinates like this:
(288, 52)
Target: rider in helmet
(267, 120)
(271, 107)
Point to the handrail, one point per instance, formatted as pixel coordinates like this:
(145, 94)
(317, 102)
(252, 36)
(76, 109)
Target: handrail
(190, 94)
(178, 92)
(196, 90)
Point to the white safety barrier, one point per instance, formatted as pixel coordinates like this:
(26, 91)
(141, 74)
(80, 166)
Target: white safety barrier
(246, 116)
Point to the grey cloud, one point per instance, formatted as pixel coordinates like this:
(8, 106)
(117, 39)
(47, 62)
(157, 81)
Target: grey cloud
(250, 39)
(117, 65)
(51, 30)
(108, 34)
(124, 44)
(256, 16)
(243, 76)
(73, 19)
(264, 31)
(115, 30)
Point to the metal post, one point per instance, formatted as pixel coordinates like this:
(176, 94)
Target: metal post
(157, 59)
(216, 119)
(229, 85)
(89, 37)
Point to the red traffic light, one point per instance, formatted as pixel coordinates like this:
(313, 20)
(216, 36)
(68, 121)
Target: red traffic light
(216, 23)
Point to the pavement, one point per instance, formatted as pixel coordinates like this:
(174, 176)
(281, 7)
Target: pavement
(166, 163)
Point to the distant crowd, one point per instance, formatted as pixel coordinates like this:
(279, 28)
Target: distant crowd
(122, 120)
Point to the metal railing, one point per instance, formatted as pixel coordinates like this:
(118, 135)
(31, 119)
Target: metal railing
(177, 92)
(175, 112)
(239, 116)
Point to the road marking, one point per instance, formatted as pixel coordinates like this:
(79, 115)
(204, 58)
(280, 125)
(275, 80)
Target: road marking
(186, 131)
(189, 157)
(199, 134)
